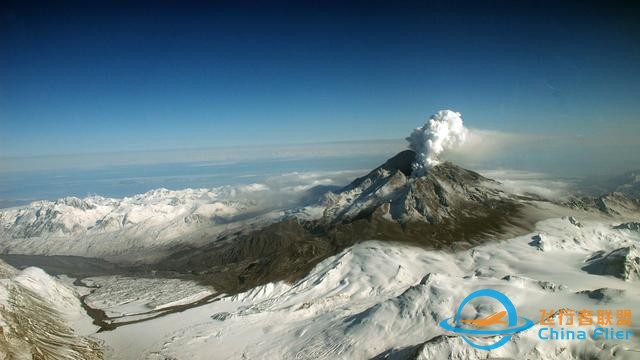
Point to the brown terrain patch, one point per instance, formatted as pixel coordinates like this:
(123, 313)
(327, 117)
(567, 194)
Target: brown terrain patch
(288, 250)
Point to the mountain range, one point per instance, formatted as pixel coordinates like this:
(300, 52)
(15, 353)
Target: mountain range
(227, 238)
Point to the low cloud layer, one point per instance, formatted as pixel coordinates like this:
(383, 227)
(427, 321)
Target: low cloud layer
(532, 183)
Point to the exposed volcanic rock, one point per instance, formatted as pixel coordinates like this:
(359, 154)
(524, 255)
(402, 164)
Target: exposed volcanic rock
(281, 251)
(633, 226)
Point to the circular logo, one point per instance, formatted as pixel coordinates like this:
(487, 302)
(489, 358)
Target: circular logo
(511, 323)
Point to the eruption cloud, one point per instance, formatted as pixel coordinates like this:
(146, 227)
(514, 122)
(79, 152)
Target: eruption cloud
(444, 131)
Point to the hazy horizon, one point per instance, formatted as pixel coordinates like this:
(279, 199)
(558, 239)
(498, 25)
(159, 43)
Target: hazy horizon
(124, 174)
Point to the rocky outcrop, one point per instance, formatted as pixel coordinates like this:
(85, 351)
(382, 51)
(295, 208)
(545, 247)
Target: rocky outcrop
(623, 263)
(633, 226)
(602, 295)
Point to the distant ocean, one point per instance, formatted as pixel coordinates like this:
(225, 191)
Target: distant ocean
(18, 188)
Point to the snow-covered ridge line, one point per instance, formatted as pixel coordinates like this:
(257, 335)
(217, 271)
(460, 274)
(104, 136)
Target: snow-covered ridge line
(92, 214)
(99, 226)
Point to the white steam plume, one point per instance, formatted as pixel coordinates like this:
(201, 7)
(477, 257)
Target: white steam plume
(443, 131)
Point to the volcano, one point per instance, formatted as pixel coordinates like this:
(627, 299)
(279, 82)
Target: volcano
(447, 208)
(446, 193)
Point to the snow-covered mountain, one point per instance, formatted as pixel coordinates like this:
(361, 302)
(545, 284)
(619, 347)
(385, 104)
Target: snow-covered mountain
(445, 192)
(135, 227)
(40, 318)
(447, 195)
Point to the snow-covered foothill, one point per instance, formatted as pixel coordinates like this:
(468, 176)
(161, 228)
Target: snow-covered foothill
(42, 318)
(378, 298)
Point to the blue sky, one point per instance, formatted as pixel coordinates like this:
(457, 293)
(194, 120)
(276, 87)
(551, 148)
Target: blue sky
(103, 76)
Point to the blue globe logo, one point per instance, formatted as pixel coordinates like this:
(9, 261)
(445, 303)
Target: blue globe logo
(511, 328)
